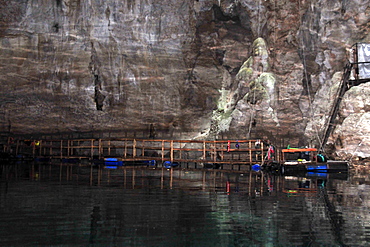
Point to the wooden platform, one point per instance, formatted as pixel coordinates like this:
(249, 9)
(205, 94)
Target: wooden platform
(246, 152)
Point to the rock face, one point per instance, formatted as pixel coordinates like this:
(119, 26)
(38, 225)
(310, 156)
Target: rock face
(198, 68)
(352, 137)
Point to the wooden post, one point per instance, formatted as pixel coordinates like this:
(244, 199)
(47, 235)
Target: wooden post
(40, 148)
(204, 180)
(262, 155)
(100, 149)
(171, 177)
(124, 177)
(162, 177)
(33, 149)
(171, 152)
(256, 153)
(180, 150)
(142, 148)
(134, 149)
(222, 151)
(67, 172)
(91, 174)
(214, 152)
(92, 148)
(204, 150)
(16, 148)
(108, 147)
(133, 178)
(68, 148)
(262, 183)
(60, 172)
(125, 155)
(61, 149)
(9, 144)
(250, 184)
(250, 152)
(162, 150)
(99, 175)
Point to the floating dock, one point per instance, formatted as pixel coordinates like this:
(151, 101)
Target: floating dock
(307, 159)
(152, 151)
(223, 154)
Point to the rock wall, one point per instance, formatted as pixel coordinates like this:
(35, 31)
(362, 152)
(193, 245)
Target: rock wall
(199, 68)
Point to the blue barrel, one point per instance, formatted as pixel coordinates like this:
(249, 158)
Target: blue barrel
(150, 162)
(113, 162)
(169, 164)
(317, 174)
(256, 167)
(322, 168)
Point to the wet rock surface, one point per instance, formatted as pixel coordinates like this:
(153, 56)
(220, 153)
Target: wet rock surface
(201, 69)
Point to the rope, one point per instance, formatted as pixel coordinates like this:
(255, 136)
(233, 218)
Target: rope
(252, 115)
(259, 19)
(311, 115)
(309, 92)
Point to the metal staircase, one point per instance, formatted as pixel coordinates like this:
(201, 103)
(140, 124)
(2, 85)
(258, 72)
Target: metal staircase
(345, 84)
(343, 87)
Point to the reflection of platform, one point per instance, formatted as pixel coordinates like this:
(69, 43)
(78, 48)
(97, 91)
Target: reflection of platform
(329, 166)
(316, 174)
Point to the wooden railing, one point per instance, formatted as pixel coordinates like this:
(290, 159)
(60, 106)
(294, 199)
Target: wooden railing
(128, 149)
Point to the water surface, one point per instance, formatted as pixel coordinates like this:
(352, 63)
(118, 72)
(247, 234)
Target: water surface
(76, 205)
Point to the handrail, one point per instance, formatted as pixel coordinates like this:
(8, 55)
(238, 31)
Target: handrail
(204, 151)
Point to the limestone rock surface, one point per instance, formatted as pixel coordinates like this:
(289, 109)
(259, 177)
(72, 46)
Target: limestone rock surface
(352, 136)
(196, 68)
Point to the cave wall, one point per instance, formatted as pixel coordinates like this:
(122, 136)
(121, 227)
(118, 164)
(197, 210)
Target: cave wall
(201, 68)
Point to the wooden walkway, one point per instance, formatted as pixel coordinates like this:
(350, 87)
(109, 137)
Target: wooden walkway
(127, 149)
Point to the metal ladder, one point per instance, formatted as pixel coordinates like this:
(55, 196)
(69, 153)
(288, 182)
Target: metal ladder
(343, 87)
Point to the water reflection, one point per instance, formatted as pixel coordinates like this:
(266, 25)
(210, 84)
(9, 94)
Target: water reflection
(80, 205)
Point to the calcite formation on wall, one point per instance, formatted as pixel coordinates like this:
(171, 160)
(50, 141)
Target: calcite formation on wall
(199, 68)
